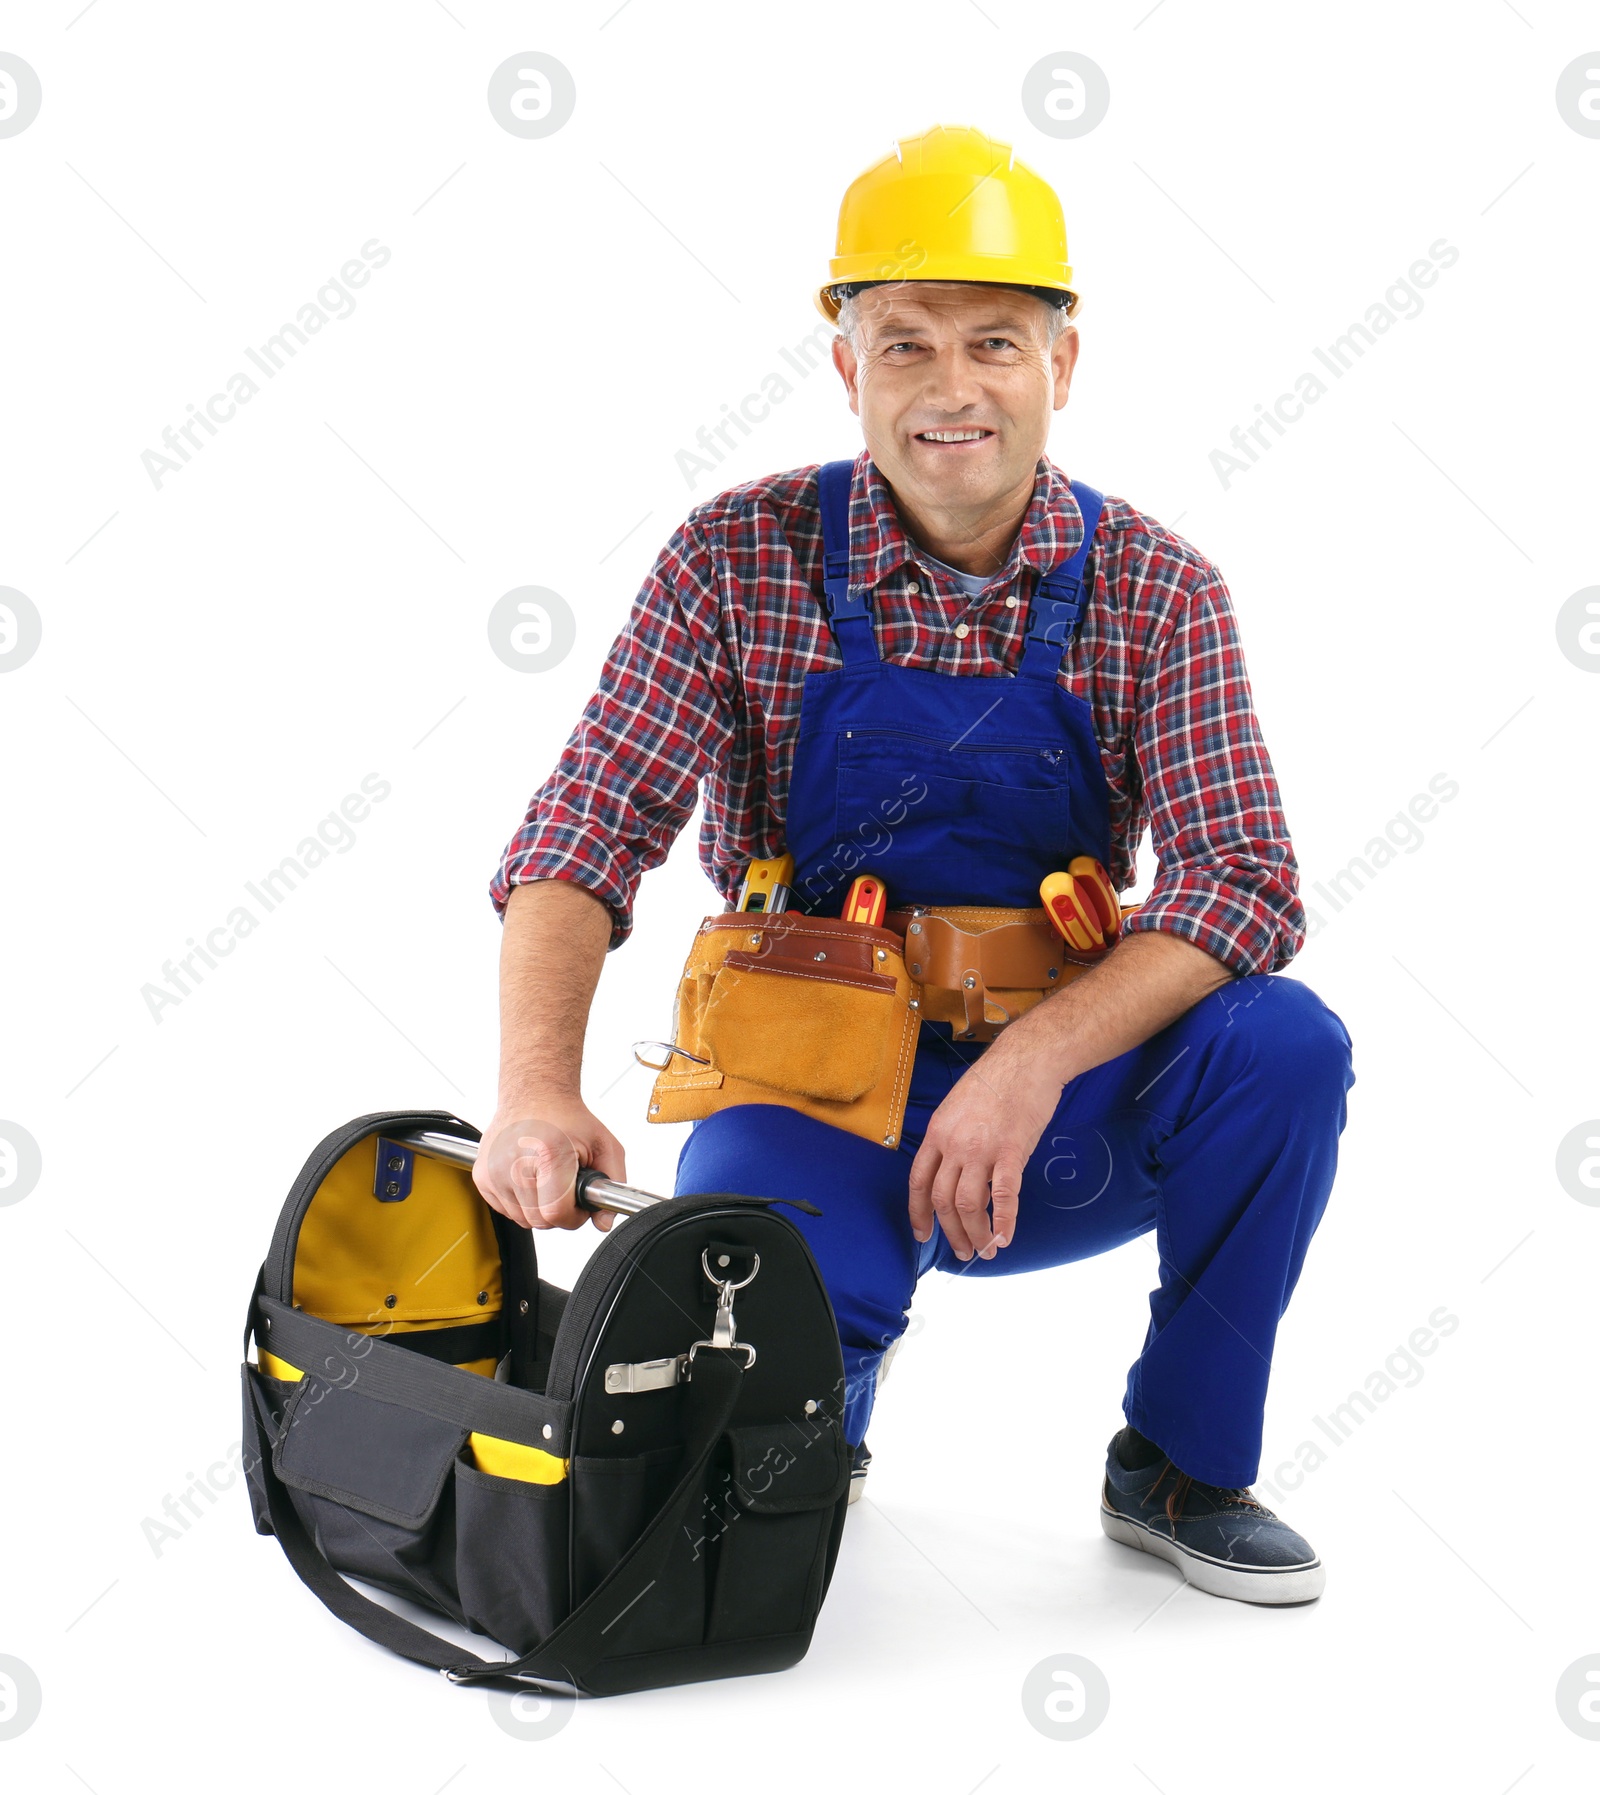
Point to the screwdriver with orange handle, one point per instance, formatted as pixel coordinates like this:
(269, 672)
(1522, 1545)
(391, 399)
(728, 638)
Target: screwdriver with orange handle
(865, 901)
(1082, 903)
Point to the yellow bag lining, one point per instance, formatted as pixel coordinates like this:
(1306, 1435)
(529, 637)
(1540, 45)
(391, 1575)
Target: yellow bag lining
(433, 1254)
(273, 1366)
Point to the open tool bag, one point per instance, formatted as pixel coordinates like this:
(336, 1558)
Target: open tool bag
(625, 1486)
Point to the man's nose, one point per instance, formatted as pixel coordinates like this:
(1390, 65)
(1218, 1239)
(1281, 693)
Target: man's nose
(952, 382)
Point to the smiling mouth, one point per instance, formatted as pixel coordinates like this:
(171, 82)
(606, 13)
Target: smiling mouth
(944, 437)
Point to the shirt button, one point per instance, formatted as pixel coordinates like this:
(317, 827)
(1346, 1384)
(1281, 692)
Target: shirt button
(960, 632)
(1011, 601)
(913, 588)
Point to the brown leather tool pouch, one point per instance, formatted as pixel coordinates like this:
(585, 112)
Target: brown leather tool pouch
(984, 966)
(809, 1012)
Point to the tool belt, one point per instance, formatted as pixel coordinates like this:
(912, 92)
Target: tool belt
(589, 1478)
(822, 1015)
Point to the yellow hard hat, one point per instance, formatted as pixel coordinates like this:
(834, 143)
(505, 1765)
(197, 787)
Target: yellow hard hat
(952, 204)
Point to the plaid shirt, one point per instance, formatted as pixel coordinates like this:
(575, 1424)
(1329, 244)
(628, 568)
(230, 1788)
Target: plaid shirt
(703, 684)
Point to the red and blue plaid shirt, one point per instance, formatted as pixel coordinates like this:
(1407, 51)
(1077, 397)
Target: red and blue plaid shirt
(703, 685)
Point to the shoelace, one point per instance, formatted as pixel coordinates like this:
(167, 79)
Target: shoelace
(1182, 1485)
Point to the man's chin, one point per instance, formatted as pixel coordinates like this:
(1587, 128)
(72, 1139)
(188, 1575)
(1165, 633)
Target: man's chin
(966, 478)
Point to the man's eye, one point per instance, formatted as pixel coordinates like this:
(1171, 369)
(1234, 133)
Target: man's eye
(998, 343)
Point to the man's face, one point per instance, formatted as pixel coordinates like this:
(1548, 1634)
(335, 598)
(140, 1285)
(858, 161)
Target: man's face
(940, 358)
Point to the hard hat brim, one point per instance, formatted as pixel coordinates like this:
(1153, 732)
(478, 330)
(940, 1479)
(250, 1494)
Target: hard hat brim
(1050, 287)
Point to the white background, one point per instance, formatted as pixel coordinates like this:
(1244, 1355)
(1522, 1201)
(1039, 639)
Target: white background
(305, 603)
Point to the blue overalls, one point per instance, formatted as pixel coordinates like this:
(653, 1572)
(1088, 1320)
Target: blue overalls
(1220, 1132)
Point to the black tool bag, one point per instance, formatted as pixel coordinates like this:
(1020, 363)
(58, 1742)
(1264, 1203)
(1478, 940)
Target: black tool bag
(639, 1483)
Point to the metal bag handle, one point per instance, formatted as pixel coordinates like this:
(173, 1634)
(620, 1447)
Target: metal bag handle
(593, 1190)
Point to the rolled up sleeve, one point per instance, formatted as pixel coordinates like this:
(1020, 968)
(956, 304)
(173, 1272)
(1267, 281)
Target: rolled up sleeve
(628, 777)
(1227, 879)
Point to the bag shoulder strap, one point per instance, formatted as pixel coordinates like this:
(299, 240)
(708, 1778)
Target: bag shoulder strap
(572, 1651)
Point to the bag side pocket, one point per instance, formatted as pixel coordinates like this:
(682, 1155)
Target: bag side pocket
(613, 1500)
(371, 1483)
(511, 1555)
(786, 1484)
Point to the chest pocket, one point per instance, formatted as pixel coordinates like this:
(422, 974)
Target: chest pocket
(924, 814)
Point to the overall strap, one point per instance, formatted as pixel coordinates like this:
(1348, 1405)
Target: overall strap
(1057, 606)
(849, 612)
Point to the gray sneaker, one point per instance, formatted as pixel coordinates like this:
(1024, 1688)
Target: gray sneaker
(1224, 1541)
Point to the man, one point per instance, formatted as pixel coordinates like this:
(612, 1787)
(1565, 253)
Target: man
(1178, 1084)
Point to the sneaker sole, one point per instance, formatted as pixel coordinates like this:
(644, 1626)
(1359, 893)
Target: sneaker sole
(858, 1487)
(1268, 1588)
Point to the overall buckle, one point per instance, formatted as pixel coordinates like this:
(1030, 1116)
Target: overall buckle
(1053, 616)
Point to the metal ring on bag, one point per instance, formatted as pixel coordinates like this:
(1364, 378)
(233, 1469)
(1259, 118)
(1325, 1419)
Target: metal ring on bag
(720, 1282)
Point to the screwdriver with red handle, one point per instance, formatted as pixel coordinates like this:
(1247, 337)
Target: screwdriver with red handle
(865, 901)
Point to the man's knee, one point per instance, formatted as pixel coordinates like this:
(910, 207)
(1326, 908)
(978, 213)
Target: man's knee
(1286, 1029)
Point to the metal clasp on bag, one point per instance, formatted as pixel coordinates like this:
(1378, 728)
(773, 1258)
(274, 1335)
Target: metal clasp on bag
(469, 1676)
(723, 1331)
(667, 1048)
(661, 1374)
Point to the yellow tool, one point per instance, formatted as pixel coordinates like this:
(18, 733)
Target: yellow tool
(1082, 903)
(952, 204)
(865, 902)
(766, 884)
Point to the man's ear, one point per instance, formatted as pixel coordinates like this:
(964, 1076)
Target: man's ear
(844, 359)
(1063, 359)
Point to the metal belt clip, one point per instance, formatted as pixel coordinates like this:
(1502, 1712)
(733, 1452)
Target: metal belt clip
(723, 1331)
